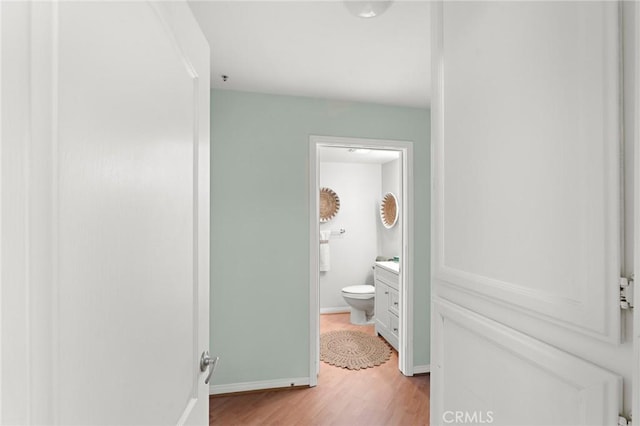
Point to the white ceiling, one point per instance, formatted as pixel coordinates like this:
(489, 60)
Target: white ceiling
(318, 49)
(333, 154)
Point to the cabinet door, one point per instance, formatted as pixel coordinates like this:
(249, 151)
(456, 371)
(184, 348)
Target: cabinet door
(394, 301)
(393, 328)
(381, 304)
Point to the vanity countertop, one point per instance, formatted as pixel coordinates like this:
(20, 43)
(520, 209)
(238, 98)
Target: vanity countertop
(390, 266)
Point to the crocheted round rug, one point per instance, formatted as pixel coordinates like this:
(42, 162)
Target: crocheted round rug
(354, 350)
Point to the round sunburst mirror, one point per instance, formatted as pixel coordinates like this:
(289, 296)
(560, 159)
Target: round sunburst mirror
(329, 204)
(389, 210)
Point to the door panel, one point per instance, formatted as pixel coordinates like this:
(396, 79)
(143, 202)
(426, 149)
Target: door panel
(527, 207)
(529, 200)
(552, 387)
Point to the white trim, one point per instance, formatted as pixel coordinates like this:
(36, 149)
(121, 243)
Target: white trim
(16, 284)
(406, 265)
(259, 385)
(336, 310)
(635, 382)
(54, 190)
(421, 369)
(2, 142)
(405, 355)
(314, 266)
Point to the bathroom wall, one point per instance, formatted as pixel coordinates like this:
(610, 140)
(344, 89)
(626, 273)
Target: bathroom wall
(353, 253)
(390, 240)
(260, 225)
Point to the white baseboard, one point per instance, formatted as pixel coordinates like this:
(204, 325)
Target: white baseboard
(261, 385)
(336, 310)
(420, 369)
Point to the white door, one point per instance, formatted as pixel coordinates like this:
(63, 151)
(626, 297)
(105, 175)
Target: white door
(527, 207)
(105, 212)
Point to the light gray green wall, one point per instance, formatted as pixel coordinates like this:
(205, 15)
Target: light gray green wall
(260, 224)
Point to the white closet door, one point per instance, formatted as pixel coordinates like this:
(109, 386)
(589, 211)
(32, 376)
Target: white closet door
(527, 213)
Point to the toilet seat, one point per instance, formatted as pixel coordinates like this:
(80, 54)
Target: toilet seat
(359, 291)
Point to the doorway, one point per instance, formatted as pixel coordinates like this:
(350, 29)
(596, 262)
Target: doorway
(405, 262)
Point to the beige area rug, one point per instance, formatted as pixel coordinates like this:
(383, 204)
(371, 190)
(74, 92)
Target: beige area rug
(354, 350)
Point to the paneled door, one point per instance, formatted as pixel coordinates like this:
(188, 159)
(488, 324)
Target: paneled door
(105, 202)
(528, 207)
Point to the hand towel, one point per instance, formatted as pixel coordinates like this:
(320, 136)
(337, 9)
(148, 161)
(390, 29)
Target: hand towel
(325, 258)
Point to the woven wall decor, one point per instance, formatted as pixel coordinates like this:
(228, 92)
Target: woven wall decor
(389, 210)
(329, 204)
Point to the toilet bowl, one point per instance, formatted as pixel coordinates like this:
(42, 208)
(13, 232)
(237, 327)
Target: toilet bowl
(361, 300)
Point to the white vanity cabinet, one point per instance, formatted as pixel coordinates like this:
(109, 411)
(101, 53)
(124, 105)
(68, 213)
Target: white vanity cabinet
(387, 301)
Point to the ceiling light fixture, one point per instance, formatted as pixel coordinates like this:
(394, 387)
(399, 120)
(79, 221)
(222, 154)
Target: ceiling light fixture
(367, 8)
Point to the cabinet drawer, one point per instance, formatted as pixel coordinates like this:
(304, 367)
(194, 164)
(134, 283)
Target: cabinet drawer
(393, 324)
(394, 301)
(390, 278)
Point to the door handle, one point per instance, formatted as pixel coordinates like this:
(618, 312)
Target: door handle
(207, 362)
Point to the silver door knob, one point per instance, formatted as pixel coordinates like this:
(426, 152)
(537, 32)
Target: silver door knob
(207, 362)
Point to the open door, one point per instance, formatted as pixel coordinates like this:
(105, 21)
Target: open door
(105, 213)
(527, 215)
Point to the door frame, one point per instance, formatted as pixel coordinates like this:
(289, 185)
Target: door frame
(633, 145)
(405, 355)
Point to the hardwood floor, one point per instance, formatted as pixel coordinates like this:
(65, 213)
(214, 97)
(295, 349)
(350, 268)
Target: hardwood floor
(377, 396)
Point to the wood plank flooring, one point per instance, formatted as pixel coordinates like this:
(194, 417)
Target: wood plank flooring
(379, 396)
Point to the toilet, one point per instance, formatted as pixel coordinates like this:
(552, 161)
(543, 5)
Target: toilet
(361, 300)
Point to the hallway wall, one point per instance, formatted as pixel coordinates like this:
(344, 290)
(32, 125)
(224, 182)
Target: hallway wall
(260, 225)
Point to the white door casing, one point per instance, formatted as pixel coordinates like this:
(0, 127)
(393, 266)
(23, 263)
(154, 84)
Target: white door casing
(632, 155)
(114, 163)
(526, 255)
(405, 337)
